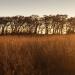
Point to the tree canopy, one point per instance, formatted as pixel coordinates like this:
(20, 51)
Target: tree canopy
(48, 24)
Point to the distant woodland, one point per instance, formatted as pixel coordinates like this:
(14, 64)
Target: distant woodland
(52, 24)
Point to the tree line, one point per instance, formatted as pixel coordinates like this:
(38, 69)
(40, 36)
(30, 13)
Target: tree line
(48, 24)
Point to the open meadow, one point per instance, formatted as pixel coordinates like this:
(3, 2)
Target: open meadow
(37, 55)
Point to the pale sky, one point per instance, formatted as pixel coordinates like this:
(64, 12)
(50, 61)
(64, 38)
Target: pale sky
(36, 7)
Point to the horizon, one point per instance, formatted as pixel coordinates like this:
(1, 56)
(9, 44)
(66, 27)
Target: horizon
(37, 15)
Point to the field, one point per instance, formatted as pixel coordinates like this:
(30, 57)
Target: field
(37, 55)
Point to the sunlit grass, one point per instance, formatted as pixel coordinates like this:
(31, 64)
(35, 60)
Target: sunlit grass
(37, 55)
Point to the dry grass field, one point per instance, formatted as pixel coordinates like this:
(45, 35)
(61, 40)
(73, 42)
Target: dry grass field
(37, 55)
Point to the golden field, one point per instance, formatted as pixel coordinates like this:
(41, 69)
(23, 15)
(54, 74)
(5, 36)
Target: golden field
(37, 55)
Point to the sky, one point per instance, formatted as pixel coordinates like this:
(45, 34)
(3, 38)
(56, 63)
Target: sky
(36, 7)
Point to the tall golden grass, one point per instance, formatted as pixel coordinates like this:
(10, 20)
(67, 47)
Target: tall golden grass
(37, 55)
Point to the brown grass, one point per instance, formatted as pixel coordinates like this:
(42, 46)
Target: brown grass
(37, 55)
